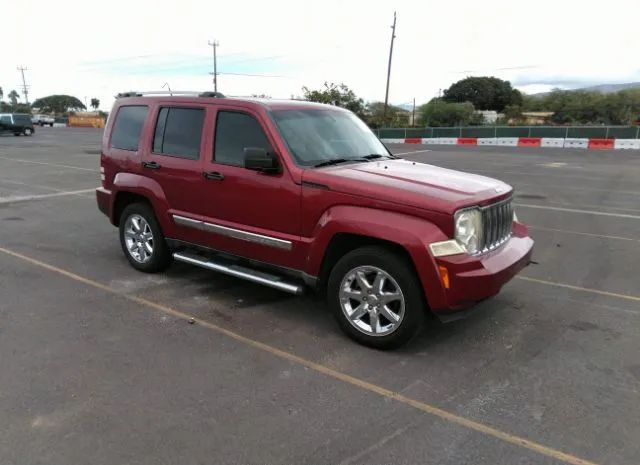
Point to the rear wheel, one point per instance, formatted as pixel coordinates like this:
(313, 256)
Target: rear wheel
(142, 240)
(376, 297)
(28, 132)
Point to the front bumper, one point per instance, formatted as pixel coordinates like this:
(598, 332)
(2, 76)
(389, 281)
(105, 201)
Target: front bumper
(472, 279)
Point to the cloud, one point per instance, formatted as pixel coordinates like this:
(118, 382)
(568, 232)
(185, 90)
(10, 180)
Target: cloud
(143, 44)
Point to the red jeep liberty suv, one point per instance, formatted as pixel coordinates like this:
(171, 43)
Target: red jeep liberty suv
(297, 195)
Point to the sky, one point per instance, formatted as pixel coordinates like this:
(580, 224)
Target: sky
(97, 49)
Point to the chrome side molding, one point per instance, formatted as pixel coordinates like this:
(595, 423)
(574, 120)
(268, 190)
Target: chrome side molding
(234, 233)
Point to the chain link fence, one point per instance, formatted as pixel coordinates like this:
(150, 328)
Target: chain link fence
(593, 132)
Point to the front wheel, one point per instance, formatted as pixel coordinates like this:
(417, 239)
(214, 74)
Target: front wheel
(376, 297)
(28, 132)
(142, 240)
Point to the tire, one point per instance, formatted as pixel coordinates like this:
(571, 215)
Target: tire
(399, 275)
(28, 132)
(135, 241)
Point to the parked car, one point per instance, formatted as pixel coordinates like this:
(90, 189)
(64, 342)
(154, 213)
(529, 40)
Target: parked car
(17, 123)
(302, 196)
(43, 120)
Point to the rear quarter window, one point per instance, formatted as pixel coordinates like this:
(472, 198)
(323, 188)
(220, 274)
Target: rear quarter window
(128, 126)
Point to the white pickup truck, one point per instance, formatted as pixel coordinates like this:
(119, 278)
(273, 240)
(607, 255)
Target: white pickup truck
(43, 120)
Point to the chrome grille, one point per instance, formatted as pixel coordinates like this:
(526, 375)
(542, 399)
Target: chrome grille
(497, 220)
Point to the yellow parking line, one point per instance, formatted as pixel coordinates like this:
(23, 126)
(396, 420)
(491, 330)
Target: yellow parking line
(582, 289)
(348, 379)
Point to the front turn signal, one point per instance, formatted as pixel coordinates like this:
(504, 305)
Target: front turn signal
(444, 276)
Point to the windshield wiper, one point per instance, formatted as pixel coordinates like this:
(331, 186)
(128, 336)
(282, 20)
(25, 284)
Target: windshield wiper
(374, 156)
(336, 161)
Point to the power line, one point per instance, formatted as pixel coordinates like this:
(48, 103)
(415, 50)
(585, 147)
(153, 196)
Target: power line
(256, 75)
(25, 87)
(386, 95)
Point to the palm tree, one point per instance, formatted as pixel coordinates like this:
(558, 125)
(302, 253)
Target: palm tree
(13, 96)
(95, 103)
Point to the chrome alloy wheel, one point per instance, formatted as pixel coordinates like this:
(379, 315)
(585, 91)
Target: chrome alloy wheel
(138, 238)
(372, 301)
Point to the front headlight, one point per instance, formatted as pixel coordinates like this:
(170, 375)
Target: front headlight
(468, 229)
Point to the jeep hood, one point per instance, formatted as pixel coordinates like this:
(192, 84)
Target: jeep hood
(410, 183)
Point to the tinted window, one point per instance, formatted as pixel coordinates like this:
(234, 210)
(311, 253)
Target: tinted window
(22, 120)
(234, 132)
(5, 119)
(178, 132)
(127, 127)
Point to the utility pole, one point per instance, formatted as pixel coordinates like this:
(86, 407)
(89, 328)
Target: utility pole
(386, 95)
(413, 113)
(25, 90)
(215, 45)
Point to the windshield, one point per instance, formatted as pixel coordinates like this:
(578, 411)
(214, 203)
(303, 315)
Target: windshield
(317, 136)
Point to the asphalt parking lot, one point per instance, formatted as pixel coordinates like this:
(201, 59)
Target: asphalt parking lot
(99, 364)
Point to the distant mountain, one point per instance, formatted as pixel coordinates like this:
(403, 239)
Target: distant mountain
(604, 88)
(609, 88)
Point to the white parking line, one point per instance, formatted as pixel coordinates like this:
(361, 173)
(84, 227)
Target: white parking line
(579, 233)
(49, 164)
(415, 151)
(39, 186)
(26, 198)
(575, 210)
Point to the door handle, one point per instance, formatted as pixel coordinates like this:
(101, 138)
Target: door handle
(213, 175)
(151, 165)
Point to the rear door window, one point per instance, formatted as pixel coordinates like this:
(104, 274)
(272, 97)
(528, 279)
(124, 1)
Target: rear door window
(128, 126)
(179, 132)
(236, 131)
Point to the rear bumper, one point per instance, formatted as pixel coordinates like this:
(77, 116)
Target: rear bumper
(104, 199)
(473, 279)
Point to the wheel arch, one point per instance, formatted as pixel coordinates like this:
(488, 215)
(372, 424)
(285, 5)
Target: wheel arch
(342, 229)
(124, 199)
(130, 187)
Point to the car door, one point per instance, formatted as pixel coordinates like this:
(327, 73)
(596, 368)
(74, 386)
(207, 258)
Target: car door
(173, 159)
(249, 213)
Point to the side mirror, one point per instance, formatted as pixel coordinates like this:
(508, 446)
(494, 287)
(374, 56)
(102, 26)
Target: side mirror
(258, 159)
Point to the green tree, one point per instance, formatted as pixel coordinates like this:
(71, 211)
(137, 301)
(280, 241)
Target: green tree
(1, 93)
(58, 104)
(485, 93)
(396, 116)
(95, 103)
(439, 113)
(13, 97)
(336, 94)
(588, 107)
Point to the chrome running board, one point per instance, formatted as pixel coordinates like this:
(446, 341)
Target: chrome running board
(242, 272)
